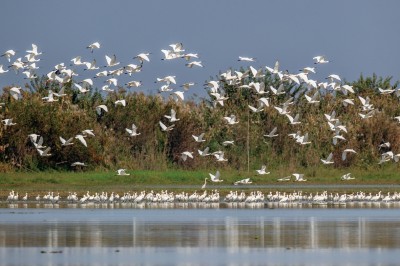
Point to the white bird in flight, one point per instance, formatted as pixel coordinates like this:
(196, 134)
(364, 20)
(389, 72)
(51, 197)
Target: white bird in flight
(95, 45)
(120, 102)
(186, 154)
(101, 108)
(299, 177)
(8, 122)
(66, 142)
(320, 59)
(165, 128)
(199, 138)
(143, 57)
(111, 61)
(347, 177)
(247, 59)
(231, 119)
(122, 172)
(204, 152)
(244, 181)
(44, 153)
(345, 152)
(216, 177)
(8, 54)
(272, 133)
(132, 131)
(78, 164)
(262, 171)
(172, 118)
(220, 156)
(194, 63)
(328, 160)
(81, 138)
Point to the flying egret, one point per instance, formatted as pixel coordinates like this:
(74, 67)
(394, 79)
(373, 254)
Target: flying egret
(16, 92)
(88, 132)
(345, 152)
(295, 120)
(215, 178)
(77, 61)
(2, 70)
(165, 128)
(132, 131)
(122, 172)
(189, 56)
(262, 170)
(274, 70)
(78, 164)
(231, 119)
(347, 177)
(34, 137)
(8, 122)
(111, 61)
(384, 92)
(257, 73)
(101, 108)
(272, 133)
(328, 160)
(81, 138)
(44, 153)
(95, 45)
(299, 177)
(194, 63)
(247, 59)
(172, 118)
(134, 84)
(228, 142)
(91, 65)
(204, 152)
(303, 140)
(186, 154)
(113, 81)
(170, 54)
(167, 79)
(7, 54)
(179, 95)
(120, 102)
(177, 47)
(220, 156)
(256, 110)
(143, 57)
(244, 181)
(312, 99)
(66, 142)
(320, 59)
(282, 110)
(199, 138)
(80, 88)
(333, 78)
(186, 86)
(34, 51)
(284, 179)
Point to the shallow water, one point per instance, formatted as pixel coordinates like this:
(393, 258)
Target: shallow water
(211, 236)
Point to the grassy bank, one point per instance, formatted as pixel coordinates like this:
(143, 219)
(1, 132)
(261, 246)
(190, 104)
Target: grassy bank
(178, 180)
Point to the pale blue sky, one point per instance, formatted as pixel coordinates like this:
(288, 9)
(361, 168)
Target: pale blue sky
(356, 36)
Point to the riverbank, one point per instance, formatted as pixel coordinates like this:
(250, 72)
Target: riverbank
(371, 180)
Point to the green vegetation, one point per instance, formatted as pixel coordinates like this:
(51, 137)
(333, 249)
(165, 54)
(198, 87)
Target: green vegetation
(154, 156)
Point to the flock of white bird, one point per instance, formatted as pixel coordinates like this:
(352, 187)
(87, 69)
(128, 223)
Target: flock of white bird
(207, 197)
(63, 74)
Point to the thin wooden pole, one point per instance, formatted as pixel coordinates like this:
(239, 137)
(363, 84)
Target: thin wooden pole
(248, 140)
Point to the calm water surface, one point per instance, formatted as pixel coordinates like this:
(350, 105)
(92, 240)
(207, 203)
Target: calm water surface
(220, 236)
